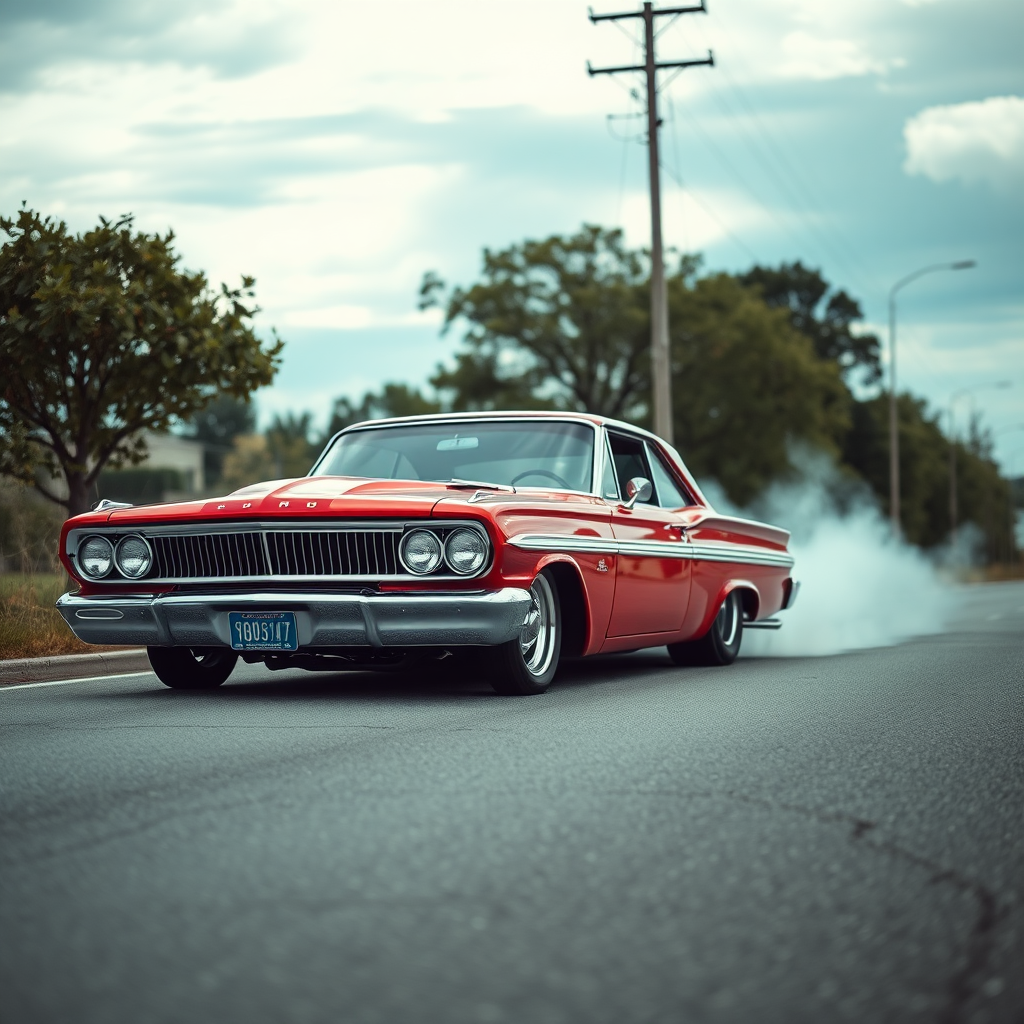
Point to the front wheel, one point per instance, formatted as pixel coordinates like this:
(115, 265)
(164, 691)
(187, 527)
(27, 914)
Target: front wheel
(527, 664)
(192, 668)
(720, 644)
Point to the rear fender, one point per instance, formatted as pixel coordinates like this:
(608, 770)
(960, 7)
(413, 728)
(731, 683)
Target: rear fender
(750, 597)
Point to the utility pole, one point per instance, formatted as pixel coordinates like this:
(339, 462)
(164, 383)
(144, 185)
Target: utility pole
(661, 363)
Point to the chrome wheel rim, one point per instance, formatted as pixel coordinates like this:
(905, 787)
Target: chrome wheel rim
(728, 620)
(537, 640)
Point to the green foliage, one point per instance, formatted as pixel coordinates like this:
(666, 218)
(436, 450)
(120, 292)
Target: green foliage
(289, 446)
(217, 426)
(394, 400)
(138, 485)
(828, 322)
(983, 497)
(29, 530)
(746, 385)
(761, 367)
(248, 462)
(557, 323)
(564, 323)
(102, 336)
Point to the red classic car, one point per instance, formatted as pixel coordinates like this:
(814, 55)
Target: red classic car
(529, 536)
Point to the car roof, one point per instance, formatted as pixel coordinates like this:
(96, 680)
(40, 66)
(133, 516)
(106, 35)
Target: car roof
(539, 414)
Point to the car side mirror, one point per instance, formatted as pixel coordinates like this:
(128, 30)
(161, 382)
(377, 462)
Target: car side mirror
(637, 489)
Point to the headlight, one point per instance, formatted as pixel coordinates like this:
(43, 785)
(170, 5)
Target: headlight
(96, 557)
(420, 552)
(465, 551)
(133, 556)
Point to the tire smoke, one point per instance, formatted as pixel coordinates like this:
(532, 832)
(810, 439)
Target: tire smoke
(860, 586)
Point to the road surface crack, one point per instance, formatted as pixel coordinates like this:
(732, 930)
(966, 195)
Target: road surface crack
(966, 983)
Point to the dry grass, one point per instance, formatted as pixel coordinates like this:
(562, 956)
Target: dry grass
(30, 626)
(1001, 572)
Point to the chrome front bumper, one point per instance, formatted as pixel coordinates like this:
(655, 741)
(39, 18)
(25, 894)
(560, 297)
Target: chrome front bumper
(322, 620)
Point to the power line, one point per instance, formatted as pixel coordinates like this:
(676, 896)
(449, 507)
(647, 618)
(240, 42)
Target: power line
(791, 194)
(750, 254)
(789, 168)
(660, 361)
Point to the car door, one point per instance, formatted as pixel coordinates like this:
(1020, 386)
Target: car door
(652, 583)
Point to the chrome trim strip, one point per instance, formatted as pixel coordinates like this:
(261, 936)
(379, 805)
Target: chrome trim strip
(564, 542)
(241, 525)
(700, 552)
(747, 554)
(656, 548)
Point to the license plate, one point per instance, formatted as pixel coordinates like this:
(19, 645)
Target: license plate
(263, 631)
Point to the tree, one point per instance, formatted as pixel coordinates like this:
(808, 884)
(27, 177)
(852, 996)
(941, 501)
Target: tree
(746, 385)
(558, 323)
(825, 316)
(102, 336)
(564, 323)
(393, 400)
(289, 445)
(983, 496)
(248, 462)
(217, 426)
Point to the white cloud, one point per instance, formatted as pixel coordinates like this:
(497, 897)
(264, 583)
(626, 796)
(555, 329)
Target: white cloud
(982, 141)
(812, 57)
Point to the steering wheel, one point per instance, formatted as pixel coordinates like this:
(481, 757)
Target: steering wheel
(561, 481)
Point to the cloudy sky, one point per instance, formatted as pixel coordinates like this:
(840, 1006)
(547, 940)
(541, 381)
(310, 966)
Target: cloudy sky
(337, 150)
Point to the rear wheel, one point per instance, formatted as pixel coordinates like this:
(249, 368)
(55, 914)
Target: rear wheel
(192, 668)
(527, 664)
(721, 643)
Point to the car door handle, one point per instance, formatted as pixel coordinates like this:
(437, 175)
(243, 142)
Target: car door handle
(675, 526)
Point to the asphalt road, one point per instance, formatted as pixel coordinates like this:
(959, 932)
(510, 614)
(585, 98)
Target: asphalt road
(785, 840)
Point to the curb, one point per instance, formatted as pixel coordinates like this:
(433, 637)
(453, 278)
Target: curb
(73, 666)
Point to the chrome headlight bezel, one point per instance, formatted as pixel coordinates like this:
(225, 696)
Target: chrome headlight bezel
(149, 556)
(404, 543)
(477, 538)
(81, 557)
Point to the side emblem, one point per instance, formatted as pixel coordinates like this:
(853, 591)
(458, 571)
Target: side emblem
(602, 565)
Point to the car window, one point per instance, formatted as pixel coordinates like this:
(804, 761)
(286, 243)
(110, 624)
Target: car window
(630, 458)
(523, 453)
(609, 488)
(670, 494)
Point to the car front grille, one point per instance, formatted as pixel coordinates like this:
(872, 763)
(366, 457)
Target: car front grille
(263, 553)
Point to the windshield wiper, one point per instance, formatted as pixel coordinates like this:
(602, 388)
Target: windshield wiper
(456, 482)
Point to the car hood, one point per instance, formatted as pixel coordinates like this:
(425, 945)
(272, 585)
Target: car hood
(307, 496)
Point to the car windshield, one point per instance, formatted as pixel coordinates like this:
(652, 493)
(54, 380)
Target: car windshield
(534, 453)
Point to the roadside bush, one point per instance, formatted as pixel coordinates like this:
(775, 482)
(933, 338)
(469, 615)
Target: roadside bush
(29, 530)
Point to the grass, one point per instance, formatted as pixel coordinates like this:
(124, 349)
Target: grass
(30, 626)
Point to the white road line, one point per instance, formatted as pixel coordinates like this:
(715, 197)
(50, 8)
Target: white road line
(67, 682)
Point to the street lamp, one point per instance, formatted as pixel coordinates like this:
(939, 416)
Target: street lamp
(894, 440)
(963, 392)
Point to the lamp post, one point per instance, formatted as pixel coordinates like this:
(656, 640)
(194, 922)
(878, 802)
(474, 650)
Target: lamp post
(894, 440)
(963, 392)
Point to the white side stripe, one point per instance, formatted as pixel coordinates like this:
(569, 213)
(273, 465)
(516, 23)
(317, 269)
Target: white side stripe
(699, 552)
